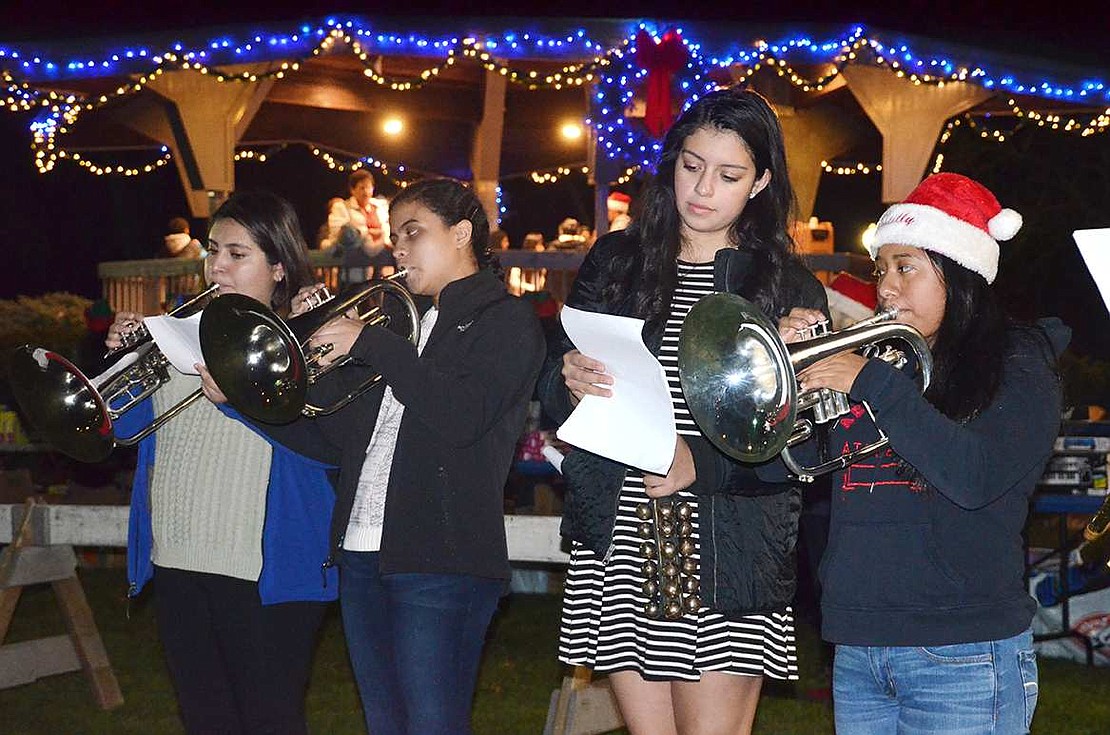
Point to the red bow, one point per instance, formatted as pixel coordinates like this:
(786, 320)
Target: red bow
(661, 60)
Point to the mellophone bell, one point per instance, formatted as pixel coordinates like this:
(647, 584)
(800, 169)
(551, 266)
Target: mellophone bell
(740, 379)
(75, 413)
(264, 364)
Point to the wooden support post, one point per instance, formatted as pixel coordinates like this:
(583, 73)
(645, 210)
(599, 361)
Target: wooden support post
(201, 120)
(814, 135)
(86, 640)
(910, 118)
(22, 564)
(9, 598)
(485, 153)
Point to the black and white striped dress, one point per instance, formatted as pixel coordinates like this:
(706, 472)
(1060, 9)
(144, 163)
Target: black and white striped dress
(603, 623)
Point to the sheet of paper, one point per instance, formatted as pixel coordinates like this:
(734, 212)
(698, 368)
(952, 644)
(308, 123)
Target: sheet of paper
(128, 359)
(634, 426)
(553, 456)
(1094, 246)
(178, 339)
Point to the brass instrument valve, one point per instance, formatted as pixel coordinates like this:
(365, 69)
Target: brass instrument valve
(829, 404)
(886, 353)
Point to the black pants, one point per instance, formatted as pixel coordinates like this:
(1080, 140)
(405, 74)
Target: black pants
(239, 667)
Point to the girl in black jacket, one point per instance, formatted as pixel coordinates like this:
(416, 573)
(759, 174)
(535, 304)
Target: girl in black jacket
(418, 529)
(714, 218)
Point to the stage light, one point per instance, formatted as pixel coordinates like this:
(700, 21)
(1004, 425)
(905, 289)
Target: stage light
(393, 126)
(868, 237)
(571, 131)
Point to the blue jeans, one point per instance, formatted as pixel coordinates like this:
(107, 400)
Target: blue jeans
(415, 641)
(962, 689)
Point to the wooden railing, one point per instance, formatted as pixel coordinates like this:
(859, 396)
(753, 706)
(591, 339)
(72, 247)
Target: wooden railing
(148, 286)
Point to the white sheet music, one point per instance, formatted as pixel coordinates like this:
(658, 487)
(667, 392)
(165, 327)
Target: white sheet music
(1094, 246)
(635, 426)
(553, 456)
(178, 339)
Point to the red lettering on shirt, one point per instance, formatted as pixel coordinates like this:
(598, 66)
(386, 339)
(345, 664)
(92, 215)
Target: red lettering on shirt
(874, 471)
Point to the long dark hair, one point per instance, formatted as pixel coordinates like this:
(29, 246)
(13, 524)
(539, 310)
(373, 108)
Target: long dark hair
(760, 229)
(971, 343)
(273, 225)
(453, 201)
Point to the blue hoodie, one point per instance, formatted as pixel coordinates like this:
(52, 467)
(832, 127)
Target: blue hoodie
(299, 503)
(908, 565)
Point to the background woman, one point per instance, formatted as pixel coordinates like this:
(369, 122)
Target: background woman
(713, 218)
(419, 529)
(233, 531)
(923, 587)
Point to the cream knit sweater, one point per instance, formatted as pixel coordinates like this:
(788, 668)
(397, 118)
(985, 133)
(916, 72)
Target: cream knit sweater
(208, 490)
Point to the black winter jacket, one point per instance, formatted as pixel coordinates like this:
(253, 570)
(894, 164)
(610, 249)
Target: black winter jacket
(748, 527)
(466, 398)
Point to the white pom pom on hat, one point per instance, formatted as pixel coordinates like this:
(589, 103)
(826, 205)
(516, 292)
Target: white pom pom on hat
(1004, 225)
(952, 215)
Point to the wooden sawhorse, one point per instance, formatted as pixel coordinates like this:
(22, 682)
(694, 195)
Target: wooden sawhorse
(582, 706)
(22, 564)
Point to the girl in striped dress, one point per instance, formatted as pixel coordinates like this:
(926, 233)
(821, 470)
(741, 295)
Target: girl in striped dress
(679, 586)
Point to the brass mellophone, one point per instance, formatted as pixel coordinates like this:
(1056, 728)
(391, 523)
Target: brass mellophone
(828, 404)
(1095, 549)
(740, 379)
(264, 364)
(76, 413)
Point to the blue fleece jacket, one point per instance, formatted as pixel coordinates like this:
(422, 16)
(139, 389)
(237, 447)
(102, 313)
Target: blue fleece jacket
(299, 503)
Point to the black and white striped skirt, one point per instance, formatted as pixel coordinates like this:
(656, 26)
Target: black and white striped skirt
(605, 628)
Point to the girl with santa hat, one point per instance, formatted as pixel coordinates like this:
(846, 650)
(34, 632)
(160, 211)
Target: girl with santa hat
(923, 587)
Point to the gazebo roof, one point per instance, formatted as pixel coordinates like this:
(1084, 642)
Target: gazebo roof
(326, 83)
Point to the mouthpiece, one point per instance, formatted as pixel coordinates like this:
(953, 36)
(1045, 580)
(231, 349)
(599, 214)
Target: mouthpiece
(888, 314)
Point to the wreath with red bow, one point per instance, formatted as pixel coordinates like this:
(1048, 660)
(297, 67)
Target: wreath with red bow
(661, 60)
(665, 72)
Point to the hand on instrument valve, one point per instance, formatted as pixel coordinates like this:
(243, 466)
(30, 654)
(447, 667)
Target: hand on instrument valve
(837, 373)
(585, 376)
(211, 391)
(126, 322)
(340, 333)
(680, 476)
(308, 298)
(794, 325)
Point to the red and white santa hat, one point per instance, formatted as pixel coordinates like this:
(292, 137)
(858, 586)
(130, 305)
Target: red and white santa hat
(618, 202)
(850, 299)
(952, 215)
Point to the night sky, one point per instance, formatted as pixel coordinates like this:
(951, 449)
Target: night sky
(1074, 30)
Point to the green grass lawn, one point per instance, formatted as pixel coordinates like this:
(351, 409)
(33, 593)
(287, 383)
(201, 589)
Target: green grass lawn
(518, 675)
